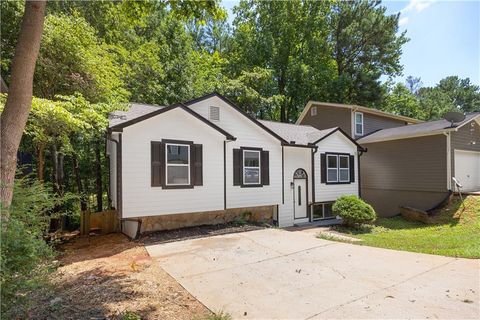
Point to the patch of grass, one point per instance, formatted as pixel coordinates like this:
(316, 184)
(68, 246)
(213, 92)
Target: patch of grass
(456, 232)
(219, 316)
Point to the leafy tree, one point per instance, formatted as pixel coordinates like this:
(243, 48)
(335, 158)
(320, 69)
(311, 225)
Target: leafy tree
(72, 59)
(18, 104)
(403, 102)
(366, 45)
(461, 93)
(286, 37)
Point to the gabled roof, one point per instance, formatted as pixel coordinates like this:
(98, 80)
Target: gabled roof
(355, 108)
(135, 111)
(417, 130)
(139, 112)
(230, 103)
(303, 135)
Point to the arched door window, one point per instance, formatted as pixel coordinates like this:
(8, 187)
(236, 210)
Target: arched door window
(300, 174)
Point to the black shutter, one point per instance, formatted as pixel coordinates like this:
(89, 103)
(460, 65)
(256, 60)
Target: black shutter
(197, 160)
(157, 163)
(265, 167)
(237, 167)
(323, 168)
(352, 168)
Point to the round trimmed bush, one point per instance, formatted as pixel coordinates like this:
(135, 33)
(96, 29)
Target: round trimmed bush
(353, 210)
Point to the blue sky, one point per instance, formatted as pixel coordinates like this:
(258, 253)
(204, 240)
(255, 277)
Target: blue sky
(444, 38)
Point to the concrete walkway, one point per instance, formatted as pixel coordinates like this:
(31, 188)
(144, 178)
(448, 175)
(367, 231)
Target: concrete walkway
(278, 274)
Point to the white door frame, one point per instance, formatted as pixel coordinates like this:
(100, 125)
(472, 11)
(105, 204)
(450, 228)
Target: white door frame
(299, 175)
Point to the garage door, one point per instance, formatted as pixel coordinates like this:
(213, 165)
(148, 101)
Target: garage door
(467, 169)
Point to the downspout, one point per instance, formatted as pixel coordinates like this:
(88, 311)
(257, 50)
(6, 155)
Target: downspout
(118, 180)
(449, 160)
(313, 151)
(361, 151)
(225, 172)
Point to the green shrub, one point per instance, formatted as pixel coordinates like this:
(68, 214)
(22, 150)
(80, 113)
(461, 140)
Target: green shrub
(353, 210)
(25, 257)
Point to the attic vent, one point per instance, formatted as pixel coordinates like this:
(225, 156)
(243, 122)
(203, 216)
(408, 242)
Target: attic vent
(214, 113)
(313, 111)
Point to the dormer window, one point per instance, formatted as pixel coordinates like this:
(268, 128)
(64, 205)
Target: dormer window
(358, 123)
(214, 113)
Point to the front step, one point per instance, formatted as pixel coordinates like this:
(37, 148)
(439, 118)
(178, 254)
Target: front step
(320, 223)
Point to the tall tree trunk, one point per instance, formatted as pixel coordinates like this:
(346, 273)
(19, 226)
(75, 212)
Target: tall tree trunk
(19, 100)
(41, 162)
(98, 173)
(281, 91)
(76, 170)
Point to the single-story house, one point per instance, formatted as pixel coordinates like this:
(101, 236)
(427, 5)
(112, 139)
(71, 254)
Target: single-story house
(414, 165)
(207, 161)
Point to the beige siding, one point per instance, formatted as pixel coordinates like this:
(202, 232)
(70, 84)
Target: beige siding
(403, 172)
(466, 138)
(373, 123)
(329, 117)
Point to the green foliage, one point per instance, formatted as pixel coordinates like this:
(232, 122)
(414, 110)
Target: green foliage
(128, 315)
(219, 316)
(353, 210)
(403, 102)
(366, 45)
(454, 233)
(25, 256)
(72, 59)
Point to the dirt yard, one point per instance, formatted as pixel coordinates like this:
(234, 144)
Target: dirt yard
(110, 277)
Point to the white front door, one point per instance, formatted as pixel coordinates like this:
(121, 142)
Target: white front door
(300, 198)
(467, 169)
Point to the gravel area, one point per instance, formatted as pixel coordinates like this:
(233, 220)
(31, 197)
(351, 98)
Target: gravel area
(198, 232)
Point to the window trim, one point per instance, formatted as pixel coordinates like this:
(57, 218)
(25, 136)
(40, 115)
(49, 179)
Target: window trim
(337, 155)
(331, 168)
(360, 123)
(313, 111)
(178, 165)
(259, 152)
(347, 168)
(323, 210)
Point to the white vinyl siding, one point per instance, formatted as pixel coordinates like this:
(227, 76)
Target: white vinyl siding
(336, 143)
(249, 135)
(294, 158)
(139, 198)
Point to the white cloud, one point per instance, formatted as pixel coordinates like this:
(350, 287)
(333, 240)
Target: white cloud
(403, 21)
(417, 5)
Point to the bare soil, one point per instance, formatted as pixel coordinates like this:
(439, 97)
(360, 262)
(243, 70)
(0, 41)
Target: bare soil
(107, 277)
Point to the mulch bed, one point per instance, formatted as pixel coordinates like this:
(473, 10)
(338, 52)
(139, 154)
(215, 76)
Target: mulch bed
(198, 232)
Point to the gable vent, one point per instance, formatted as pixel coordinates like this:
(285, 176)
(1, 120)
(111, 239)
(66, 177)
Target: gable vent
(214, 113)
(313, 111)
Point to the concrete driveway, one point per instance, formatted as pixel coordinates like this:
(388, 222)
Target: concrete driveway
(278, 274)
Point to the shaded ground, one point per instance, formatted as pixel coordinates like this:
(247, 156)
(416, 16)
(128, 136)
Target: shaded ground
(108, 276)
(455, 232)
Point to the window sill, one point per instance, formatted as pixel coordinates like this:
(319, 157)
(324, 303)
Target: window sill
(178, 187)
(347, 182)
(251, 186)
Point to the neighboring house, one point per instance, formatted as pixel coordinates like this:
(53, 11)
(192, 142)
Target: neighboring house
(357, 121)
(206, 161)
(414, 165)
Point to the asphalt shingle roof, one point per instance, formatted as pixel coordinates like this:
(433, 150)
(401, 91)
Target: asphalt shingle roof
(301, 134)
(438, 126)
(136, 110)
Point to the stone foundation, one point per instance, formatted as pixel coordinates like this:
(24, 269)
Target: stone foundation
(176, 221)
